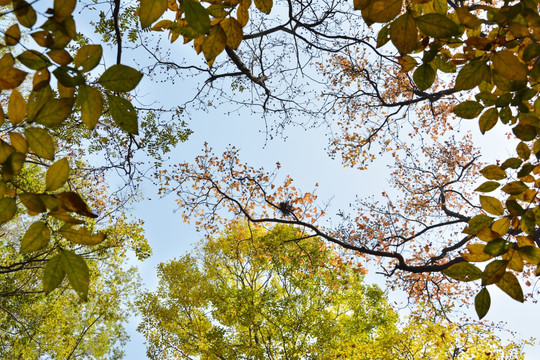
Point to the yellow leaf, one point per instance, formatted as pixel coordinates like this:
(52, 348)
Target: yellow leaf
(18, 142)
(61, 57)
(233, 30)
(382, 11)
(10, 77)
(41, 79)
(264, 5)
(508, 65)
(16, 107)
(214, 43)
(12, 35)
(404, 34)
(242, 12)
(57, 175)
(63, 9)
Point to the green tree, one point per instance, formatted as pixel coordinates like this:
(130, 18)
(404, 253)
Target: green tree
(252, 293)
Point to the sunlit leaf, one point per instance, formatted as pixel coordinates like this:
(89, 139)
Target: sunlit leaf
(476, 254)
(53, 273)
(123, 114)
(264, 6)
(16, 107)
(233, 30)
(10, 78)
(57, 175)
(478, 223)
(510, 285)
(36, 237)
(196, 16)
(491, 205)
(214, 43)
(73, 202)
(54, 112)
(33, 202)
(77, 272)
(488, 120)
(40, 142)
(18, 142)
(91, 103)
(497, 247)
(150, 11)
(82, 236)
(8, 208)
(488, 186)
(494, 271)
(88, 57)
(515, 188)
(463, 271)
(493, 172)
(530, 253)
(120, 78)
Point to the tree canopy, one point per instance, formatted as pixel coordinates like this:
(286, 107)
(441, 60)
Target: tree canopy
(249, 293)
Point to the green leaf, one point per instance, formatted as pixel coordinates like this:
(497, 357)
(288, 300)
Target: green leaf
(197, 16)
(36, 101)
(383, 36)
(123, 114)
(264, 6)
(214, 43)
(381, 11)
(491, 205)
(53, 274)
(8, 208)
(54, 112)
(524, 132)
(493, 172)
(88, 57)
(497, 247)
(530, 254)
(73, 202)
(67, 76)
(508, 65)
(424, 76)
(468, 109)
(478, 223)
(36, 237)
(532, 51)
(494, 271)
(488, 120)
(523, 150)
(40, 142)
(57, 175)
(488, 186)
(82, 236)
(513, 163)
(120, 78)
(527, 222)
(77, 272)
(437, 26)
(33, 59)
(463, 271)
(404, 34)
(13, 165)
(482, 302)
(150, 11)
(514, 208)
(515, 188)
(5, 151)
(471, 75)
(91, 103)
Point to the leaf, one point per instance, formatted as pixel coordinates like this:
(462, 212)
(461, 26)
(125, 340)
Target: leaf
(510, 285)
(196, 16)
(36, 237)
(91, 103)
(32, 202)
(476, 253)
(36, 100)
(40, 142)
(13, 165)
(63, 9)
(8, 208)
(515, 188)
(61, 57)
(523, 150)
(482, 302)
(77, 272)
(361, 4)
(437, 26)
(491, 205)
(478, 223)
(16, 107)
(18, 142)
(508, 65)
(234, 32)
(10, 78)
(468, 109)
(488, 120)
(82, 236)
(264, 6)
(73, 202)
(424, 76)
(33, 59)
(488, 186)
(214, 43)
(463, 271)
(524, 132)
(381, 11)
(493, 172)
(41, 79)
(120, 78)
(471, 75)
(494, 272)
(404, 34)
(53, 274)
(5, 151)
(123, 114)
(54, 112)
(88, 57)
(501, 226)
(514, 208)
(150, 11)
(384, 35)
(513, 163)
(25, 13)
(530, 253)
(57, 175)
(497, 247)
(12, 35)
(67, 76)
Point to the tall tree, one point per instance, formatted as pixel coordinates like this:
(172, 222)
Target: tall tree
(250, 293)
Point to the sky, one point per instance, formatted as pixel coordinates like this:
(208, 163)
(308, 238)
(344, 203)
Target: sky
(302, 155)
